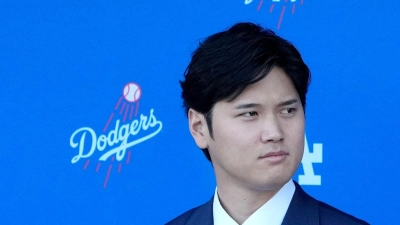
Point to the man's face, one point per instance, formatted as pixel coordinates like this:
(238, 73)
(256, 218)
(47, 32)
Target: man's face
(258, 138)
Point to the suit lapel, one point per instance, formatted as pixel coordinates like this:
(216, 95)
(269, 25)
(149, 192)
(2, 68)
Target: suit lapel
(303, 209)
(203, 215)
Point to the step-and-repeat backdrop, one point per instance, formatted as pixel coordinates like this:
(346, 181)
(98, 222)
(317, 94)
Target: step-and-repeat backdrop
(92, 127)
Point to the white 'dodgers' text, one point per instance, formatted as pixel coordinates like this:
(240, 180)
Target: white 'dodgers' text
(119, 135)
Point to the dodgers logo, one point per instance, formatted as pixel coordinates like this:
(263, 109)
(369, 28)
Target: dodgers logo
(286, 5)
(124, 129)
(309, 178)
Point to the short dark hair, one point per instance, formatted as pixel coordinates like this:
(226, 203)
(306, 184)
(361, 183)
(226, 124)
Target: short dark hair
(225, 63)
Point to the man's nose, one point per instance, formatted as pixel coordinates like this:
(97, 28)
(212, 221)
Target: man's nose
(271, 130)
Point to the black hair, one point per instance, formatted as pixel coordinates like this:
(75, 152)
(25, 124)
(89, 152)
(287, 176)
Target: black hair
(225, 63)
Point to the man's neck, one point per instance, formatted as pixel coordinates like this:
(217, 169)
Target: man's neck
(241, 203)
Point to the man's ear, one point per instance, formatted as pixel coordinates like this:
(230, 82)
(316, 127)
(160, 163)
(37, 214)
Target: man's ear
(198, 128)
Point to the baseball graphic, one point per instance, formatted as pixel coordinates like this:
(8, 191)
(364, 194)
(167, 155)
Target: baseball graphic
(132, 92)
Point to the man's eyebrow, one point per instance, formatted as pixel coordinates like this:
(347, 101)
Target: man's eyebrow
(289, 102)
(249, 105)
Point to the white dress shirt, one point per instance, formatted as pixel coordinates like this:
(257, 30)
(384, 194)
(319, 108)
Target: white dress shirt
(271, 213)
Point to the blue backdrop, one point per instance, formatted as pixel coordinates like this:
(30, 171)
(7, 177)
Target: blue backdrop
(67, 109)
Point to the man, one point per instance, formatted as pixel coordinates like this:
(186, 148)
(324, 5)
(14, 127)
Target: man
(245, 94)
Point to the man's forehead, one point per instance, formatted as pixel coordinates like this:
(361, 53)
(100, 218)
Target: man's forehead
(276, 86)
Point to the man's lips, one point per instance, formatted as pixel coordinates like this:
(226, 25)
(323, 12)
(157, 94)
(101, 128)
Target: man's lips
(274, 158)
(274, 154)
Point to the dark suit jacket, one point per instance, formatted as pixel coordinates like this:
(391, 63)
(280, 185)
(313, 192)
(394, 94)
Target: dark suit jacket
(303, 210)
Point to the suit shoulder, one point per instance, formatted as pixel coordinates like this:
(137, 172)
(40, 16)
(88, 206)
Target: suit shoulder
(183, 218)
(203, 213)
(330, 215)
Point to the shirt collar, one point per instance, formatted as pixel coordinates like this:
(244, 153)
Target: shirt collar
(271, 213)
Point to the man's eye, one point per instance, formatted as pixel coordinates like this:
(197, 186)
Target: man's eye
(288, 111)
(250, 114)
